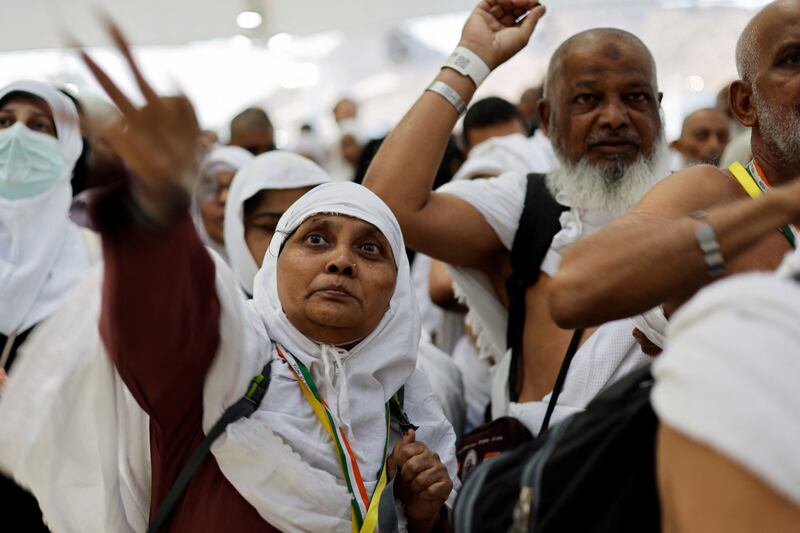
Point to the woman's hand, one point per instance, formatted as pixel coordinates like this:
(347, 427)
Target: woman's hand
(492, 31)
(159, 142)
(422, 484)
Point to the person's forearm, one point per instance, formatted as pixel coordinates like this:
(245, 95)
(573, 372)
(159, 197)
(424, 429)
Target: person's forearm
(637, 263)
(160, 313)
(404, 168)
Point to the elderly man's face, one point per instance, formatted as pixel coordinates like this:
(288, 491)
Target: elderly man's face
(704, 137)
(603, 106)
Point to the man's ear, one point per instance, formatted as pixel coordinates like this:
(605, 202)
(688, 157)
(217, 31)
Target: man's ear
(660, 97)
(740, 98)
(544, 114)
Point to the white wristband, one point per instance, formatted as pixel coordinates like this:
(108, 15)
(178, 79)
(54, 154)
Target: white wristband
(467, 63)
(449, 94)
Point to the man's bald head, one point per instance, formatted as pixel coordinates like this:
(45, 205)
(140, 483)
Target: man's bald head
(252, 130)
(763, 24)
(767, 97)
(704, 136)
(608, 42)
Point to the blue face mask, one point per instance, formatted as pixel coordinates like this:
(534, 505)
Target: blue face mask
(30, 162)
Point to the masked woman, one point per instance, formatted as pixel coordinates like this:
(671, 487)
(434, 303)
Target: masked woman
(333, 315)
(42, 253)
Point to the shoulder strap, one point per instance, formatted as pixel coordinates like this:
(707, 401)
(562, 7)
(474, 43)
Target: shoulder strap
(241, 409)
(562, 377)
(396, 407)
(539, 223)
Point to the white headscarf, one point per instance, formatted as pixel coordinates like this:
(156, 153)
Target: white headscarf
(374, 370)
(219, 159)
(272, 170)
(42, 253)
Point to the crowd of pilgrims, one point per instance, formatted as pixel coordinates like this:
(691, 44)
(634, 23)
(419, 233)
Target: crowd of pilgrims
(207, 337)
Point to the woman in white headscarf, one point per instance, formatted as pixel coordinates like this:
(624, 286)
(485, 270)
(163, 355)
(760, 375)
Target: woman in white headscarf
(42, 253)
(261, 191)
(212, 190)
(333, 315)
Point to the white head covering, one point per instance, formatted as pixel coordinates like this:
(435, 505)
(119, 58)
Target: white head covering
(219, 159)
(41, 251)
(272, 170)
(374, 370)
(729, 376)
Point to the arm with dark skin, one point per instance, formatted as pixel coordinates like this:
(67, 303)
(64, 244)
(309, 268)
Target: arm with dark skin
(160, 314)
(651, 255)
(403, 171)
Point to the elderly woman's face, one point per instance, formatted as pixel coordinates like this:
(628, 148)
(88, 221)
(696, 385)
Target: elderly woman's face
(336, 276)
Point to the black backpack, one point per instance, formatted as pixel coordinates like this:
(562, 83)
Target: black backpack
(594, 472)
(538, 224)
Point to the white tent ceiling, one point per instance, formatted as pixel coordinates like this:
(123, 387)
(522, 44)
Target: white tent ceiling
(382, 52)
(33, 24)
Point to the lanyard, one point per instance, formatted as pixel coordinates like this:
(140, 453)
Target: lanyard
(364, 510)
(755, 184)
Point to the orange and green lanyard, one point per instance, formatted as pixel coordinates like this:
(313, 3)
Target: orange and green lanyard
(755, 184)
(364, 509)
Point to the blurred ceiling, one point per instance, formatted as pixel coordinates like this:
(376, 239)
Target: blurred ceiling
(37, 24)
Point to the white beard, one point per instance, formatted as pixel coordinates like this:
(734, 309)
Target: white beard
(589, 187)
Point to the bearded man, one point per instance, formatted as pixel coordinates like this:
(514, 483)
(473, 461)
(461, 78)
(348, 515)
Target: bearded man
(660, 254)
(601, 110)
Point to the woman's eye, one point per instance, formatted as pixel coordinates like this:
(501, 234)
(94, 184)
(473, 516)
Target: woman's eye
(6, 122)
(371, 248)
(315, 239)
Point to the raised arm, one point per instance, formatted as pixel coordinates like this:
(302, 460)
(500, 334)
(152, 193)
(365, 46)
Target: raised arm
(652, 255)
(402, 173)
(159, 318)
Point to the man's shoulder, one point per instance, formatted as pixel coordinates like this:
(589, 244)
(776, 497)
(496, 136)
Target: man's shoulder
(691, 189)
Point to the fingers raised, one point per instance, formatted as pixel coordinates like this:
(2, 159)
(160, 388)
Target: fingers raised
(117, 96)
(149, 94)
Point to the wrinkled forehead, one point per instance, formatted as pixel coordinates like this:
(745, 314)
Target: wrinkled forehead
(606, 62)
(777, 28)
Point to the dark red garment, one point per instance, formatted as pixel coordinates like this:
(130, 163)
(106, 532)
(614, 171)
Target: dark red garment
(159, 322)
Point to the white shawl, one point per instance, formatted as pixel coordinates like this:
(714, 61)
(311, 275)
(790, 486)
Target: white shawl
(42, 254)
(729, 376)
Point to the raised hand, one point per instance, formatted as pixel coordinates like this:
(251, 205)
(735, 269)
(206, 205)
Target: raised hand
(423, 483)
(492, 30)
(159, 142)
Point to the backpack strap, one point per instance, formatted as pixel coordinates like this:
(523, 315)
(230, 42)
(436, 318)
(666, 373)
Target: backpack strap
(241, 409)
(398, 412)
(539, 223)
(562, 377)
